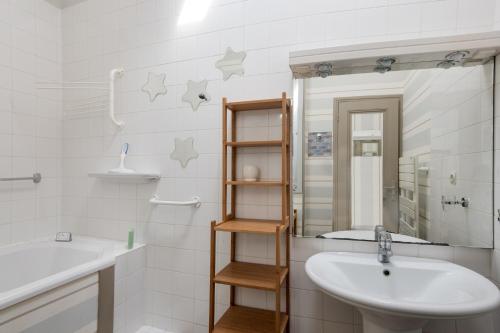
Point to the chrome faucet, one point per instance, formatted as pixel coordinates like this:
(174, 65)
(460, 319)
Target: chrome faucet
(378, 229)
(384, 246)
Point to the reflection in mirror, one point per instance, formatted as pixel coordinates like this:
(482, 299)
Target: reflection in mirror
(409, 150)
(367, 140)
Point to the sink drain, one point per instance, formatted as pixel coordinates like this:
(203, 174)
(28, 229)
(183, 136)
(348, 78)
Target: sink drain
(387, 272)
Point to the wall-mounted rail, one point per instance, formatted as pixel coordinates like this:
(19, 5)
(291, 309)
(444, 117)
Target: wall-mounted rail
(93, 103)
(36, 178)
(196, 202)
(113, 74)
(50, 85)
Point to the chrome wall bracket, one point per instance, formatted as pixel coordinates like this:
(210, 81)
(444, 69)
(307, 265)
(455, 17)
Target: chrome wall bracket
(463, 202)
(36, 178)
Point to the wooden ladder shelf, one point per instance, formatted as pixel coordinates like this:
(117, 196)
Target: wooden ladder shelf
(242, 319)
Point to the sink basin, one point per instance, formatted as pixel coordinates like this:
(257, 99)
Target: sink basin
(403, 295)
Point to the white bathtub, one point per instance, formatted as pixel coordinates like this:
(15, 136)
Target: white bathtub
(29, 269)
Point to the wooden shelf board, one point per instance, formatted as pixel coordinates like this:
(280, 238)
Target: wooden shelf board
(242, 319)
(250, 275)
(264, 104)
(255, 183)
(270, 143)
(250, 226)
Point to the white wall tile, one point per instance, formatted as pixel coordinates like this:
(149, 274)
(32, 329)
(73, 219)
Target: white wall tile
(439, 15)
(475, 14)
(19, 152)
(478, 260)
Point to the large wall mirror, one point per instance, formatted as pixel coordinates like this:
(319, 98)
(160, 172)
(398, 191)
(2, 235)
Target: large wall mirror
(410, 149)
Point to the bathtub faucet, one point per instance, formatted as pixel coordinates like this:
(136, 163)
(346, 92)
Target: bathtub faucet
(64, 236)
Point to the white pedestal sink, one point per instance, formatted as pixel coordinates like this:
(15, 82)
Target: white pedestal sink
(403, 295)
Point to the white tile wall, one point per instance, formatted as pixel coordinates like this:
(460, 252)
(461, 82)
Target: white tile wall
(30, 119)
(142, 36)
(130, 272)
(495, 262)
(150, 329)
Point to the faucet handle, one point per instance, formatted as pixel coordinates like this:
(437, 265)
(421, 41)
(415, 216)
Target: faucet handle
(384, 246)
(385, 241)
(378, 229)
(388, 243)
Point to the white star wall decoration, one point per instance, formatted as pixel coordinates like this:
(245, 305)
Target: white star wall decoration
(231, 63)
(184, 151)
(196, 93)
(155, 85)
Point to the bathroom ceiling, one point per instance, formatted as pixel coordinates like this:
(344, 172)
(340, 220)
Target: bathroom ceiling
(63, 3)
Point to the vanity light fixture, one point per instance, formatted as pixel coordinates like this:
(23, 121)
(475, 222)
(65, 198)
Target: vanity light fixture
(382, 69)
(453, 59)
(386, 61)
(457, 55)
(384, 65)
(324, 69)
(193, 11)
(445, 64)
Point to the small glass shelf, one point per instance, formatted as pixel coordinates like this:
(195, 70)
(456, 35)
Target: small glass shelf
(138, 178)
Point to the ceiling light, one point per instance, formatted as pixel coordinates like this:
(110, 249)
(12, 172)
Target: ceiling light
(193, 11)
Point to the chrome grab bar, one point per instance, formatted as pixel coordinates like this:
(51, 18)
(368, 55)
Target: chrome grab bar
(196, 202)
(36, 178)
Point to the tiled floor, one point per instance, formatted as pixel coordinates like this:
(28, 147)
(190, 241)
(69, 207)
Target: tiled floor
(149, 329)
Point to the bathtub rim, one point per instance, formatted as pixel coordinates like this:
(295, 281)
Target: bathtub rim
(109, 250)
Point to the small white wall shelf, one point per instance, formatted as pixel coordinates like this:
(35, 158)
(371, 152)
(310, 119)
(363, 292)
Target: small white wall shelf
(137, 178)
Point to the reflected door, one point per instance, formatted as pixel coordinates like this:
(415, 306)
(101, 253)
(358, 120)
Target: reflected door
(368, 149)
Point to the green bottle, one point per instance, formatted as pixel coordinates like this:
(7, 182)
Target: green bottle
(130, 244)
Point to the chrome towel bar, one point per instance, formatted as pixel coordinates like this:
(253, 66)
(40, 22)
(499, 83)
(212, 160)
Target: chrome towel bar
(36, 178)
